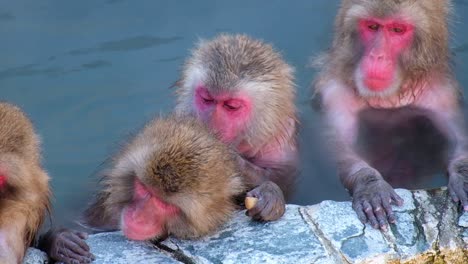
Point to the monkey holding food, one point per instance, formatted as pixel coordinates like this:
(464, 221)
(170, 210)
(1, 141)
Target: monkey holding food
(243, 92)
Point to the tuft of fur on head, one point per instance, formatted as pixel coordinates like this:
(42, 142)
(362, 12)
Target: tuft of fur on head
(185, 165)
(238, 63)
(429, 52)
(17, 133)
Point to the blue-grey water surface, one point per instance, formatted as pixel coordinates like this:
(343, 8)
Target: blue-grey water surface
(90, 72)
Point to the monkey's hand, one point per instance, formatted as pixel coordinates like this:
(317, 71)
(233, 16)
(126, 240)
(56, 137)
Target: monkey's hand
(458, 181)
(67, 246)
(271, 204)
(372, 197)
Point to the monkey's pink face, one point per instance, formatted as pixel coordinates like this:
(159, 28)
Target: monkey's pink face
(384, 41)
(3, 178)
(3, 181)
(146, 216)
(225, 113)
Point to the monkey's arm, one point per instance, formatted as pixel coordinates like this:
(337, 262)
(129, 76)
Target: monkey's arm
(69, 246)
(272, 177)
(458, 160)
(445, 103)
(66, 246)
(371, 194)
(23, 208)
(13, 224)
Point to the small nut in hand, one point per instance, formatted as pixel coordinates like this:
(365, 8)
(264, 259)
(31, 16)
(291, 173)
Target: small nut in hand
(250, 202)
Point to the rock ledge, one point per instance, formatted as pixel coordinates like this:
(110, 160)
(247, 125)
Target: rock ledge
(429, 229)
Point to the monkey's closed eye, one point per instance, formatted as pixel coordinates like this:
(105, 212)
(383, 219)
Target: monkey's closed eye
(208, 100)
(232, 105)
(373, 26)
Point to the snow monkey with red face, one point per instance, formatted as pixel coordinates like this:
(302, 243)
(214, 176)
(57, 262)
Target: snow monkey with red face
(392, 103)
(244, 91)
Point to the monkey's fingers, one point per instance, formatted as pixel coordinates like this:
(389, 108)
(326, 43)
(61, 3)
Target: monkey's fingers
(256, 211)
(357, 206)
(70, 249)
(379, 213)
(454, 196)
(396, 198)
(79, 245)
(270, 205)
(457, 191)
(66, 255)
(82, 235)
(388, 209)
(370, 214)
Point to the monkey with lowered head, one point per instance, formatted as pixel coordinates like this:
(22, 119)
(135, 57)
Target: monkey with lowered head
(174, 178)
(24, 185)
(386, 81)
(243, 90)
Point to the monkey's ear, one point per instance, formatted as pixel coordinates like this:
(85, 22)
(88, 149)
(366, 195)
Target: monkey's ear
(316, 102)
(97, 217)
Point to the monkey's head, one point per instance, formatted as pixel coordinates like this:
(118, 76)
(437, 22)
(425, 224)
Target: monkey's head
(383, 46)
(240, 87)
(183, 178)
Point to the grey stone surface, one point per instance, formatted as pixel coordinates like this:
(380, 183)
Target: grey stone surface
(35, 256)
(114, 248)
(463, 221)
(429, 229)
(244, 241)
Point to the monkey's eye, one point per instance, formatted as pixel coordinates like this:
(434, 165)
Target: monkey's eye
(399, 29)
(232, 105)
(208, 100)
(373, 26)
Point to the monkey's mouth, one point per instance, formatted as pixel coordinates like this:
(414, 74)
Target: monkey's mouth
(377, 84)
(138, 225)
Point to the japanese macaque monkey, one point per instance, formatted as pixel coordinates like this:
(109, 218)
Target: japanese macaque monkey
(385, 79)
(244, 91)
(174, 178)
(24, 185)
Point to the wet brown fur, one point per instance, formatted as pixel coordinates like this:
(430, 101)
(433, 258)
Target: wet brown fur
(25, 200)
(185, 164)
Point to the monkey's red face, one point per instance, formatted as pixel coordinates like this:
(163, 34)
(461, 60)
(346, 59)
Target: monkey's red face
(3, 181)
(146, 216)
(225, 113)
(384, 41)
